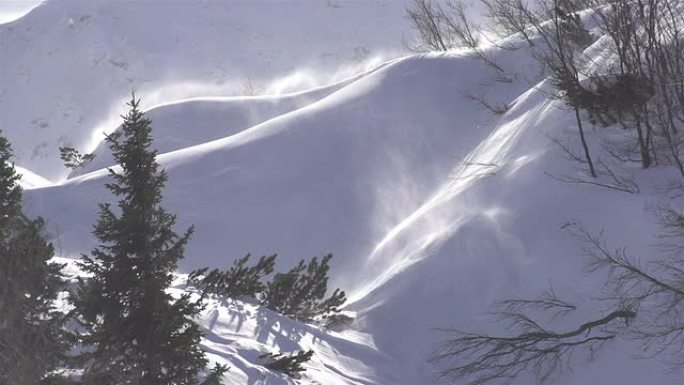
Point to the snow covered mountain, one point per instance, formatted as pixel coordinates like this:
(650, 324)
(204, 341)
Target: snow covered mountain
(68, 65)
(432, 207)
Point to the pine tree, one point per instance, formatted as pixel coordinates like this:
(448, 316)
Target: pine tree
(235, 282)
(300, 293)
(32, 338)
(73, 159)
(290, 364)
(137, 333)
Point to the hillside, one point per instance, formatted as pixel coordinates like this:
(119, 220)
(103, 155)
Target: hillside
(68, 65)
(432, 207)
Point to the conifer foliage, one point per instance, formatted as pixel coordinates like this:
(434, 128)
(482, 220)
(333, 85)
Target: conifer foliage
(135, 332)
(300, 293)
(289, 364)
(74, 159)
(31, 329)
(239, 280)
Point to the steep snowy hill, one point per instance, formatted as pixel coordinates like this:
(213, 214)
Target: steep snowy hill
(334, 175)
(186, 123)
(432, 207)
(236, 333)
(67, 66)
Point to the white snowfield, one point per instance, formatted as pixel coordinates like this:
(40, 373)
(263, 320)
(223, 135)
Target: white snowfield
(432, 207)
(68, 66)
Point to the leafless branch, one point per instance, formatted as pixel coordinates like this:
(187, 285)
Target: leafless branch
(479, 99)
(477, 359)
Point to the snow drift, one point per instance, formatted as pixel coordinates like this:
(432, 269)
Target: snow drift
(68, 65)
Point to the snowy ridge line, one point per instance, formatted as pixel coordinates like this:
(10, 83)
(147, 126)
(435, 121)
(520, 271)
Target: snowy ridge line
(15, 17)
(318, 94)
(324, 90)
(222, 47)
(298, 99)
(169, 159)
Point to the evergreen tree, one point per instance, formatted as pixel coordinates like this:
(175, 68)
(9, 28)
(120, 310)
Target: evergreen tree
(32, 338)
(73, 159)
(290, 364)
(235, 282)
(300, 293)
(215, 375)
(137, 333)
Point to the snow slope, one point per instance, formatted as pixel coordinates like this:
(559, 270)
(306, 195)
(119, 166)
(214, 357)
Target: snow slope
(194, 121)
(432, 207)
(236, 333)
(68, 65)
(334, 175)
(11, 10)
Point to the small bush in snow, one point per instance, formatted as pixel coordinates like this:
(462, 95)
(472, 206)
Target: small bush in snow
(287, 364)
(74, 159)
(337, 321)
(216, 374)
(300, 293)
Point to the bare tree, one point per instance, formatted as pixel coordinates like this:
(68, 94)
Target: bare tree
(428, 19)
(647, 299)
(655, 288)
(476, 359)
(484, 103)
(605, 177)
(509, 17)
(465, 32)
(641, 89)
(441, 28)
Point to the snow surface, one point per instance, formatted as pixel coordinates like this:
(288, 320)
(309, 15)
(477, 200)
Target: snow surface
(432, 207)
(68, 65)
